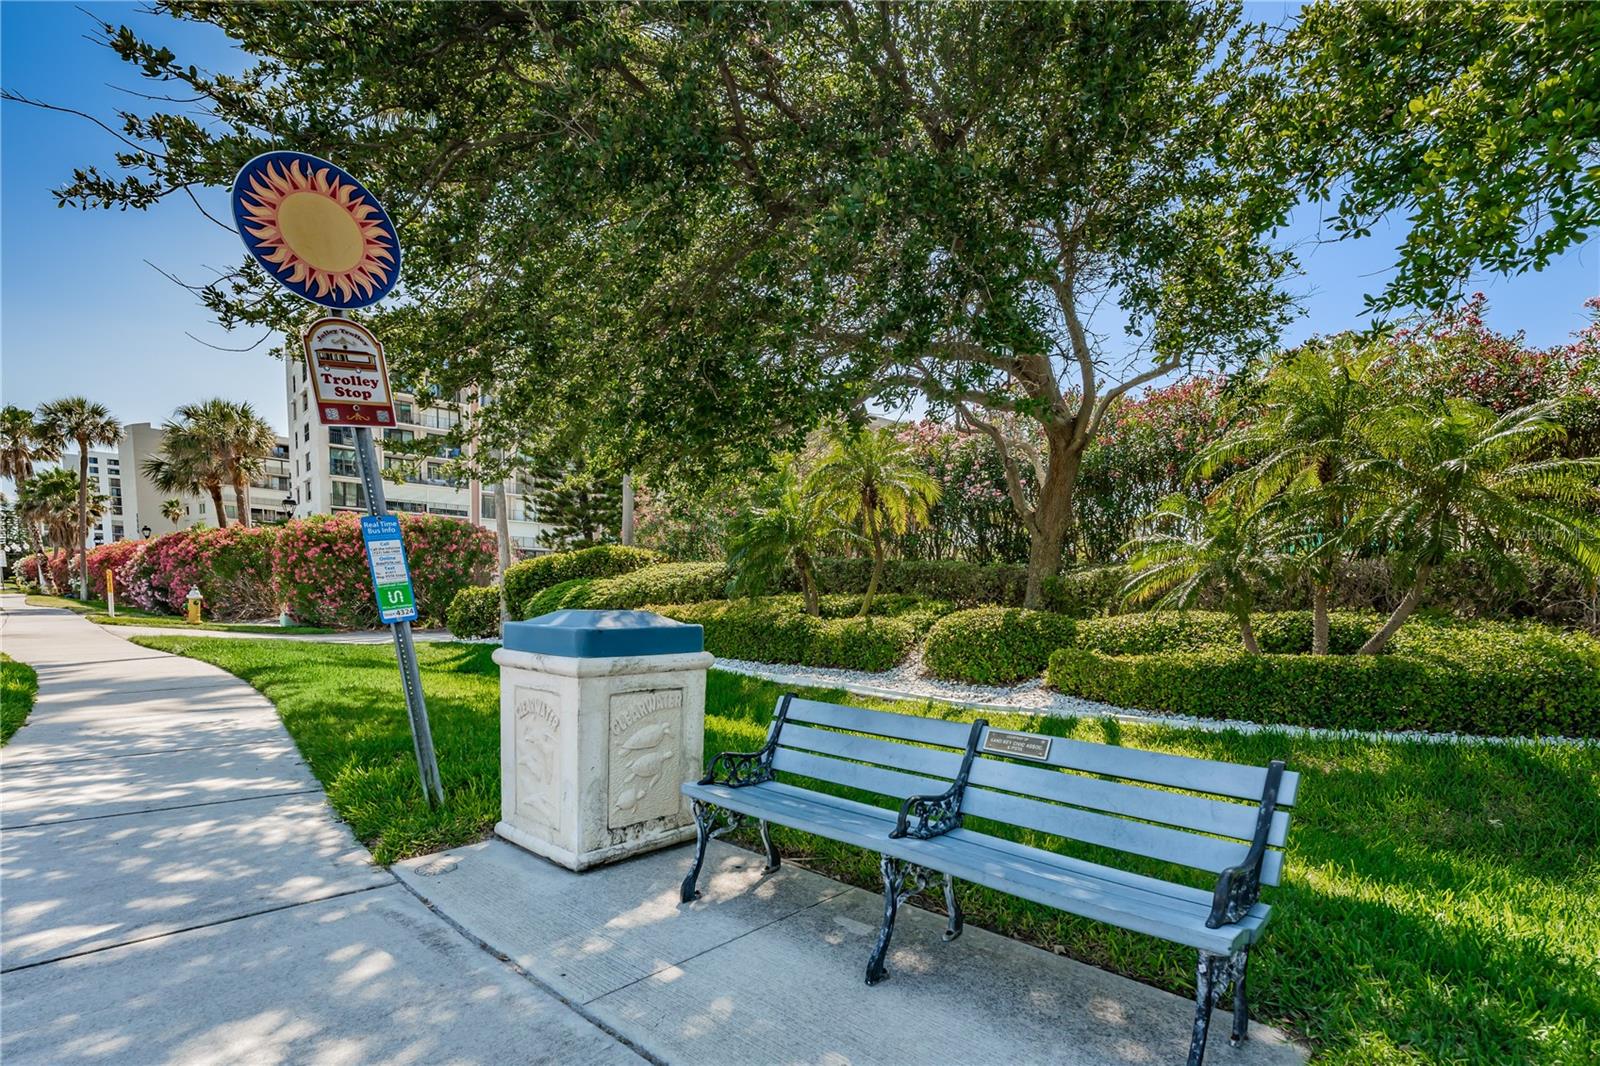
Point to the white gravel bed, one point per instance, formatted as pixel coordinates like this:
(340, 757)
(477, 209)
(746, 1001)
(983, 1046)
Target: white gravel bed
(910, 681)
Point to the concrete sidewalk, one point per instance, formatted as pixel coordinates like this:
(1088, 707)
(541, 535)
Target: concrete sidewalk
(769, 969)
(175, 889)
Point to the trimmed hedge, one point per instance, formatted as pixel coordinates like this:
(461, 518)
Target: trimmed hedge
(1485, 679)
(475, 612)
(963, 583)
(995, 645)
(661, 583)
(776, 630)
(1280, 632)
(526, 579)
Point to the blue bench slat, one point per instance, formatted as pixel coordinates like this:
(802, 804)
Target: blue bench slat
(883, 723)
(1160, 768)
(1140, 838)
(856, 775)
(932, 762)
(1199, 813)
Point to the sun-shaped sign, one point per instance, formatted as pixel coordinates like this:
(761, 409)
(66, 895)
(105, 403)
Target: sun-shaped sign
(316, 229)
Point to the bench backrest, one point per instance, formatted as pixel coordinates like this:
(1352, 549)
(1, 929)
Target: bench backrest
(1195, 812)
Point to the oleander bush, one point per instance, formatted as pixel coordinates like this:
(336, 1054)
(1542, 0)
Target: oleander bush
(54, 564)
(660, 583)
(995, 645)
(475, 612)
(108, 557)
(321, 571)
(233, 568)
(526, 579)
(1490, 679)
(775, 629)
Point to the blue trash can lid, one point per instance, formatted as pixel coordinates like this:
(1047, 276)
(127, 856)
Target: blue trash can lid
(602, 634)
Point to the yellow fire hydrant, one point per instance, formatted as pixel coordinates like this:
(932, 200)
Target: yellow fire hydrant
(194, 599)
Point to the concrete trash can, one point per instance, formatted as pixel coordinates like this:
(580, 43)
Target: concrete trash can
(602, 718)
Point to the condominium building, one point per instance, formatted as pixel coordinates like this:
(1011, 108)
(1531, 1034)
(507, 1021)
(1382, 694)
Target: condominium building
(105, 477)
(144, 504)
(324, 475)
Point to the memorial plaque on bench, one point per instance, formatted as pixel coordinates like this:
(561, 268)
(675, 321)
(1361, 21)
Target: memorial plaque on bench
(1022, 745)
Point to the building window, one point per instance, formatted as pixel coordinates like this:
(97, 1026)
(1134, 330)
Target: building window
(342, 461)
(403, 412)
(341, 435)
(486, 506)
(401, 435)
(347, 494)
(308, 433)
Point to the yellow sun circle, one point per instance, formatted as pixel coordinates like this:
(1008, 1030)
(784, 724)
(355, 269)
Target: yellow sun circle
(321, 231)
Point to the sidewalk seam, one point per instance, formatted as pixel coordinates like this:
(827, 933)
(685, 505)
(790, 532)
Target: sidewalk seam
(158, 810)
(202, 925)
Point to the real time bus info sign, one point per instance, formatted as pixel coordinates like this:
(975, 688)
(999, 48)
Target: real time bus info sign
(391, 576)
(348, 376)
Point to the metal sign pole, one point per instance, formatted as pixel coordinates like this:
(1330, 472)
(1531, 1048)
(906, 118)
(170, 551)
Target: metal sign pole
(404, 648)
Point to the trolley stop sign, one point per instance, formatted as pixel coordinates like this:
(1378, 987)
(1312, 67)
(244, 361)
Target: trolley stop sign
(391, 577)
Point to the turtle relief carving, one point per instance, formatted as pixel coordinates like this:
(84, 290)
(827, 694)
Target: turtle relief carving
(645, 744)
(538, 767)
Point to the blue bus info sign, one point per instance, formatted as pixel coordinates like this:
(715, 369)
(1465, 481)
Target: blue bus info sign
(391, 577)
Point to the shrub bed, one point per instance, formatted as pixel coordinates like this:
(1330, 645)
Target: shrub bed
(108, 557)
(661, 583)
(1487, 679)
(1085, 593)
(963, 583)
(475, 613)
(55, 567)
(995, 645)
(531, 576)
(233, 568)
(321, 569)
(1282, 632)
(776, 630)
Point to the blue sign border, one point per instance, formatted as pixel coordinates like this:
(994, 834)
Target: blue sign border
(279, 273)
(386, 527)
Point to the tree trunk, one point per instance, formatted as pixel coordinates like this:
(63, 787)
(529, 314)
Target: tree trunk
(1248, 634)
(808, 584)
(215, 490)
(876, 538)
(33, 534)
(627, 509)
(1052, 517)
(83, 520)
(1402, 611)
(502, 538)
(1319, 619)
(241, 500)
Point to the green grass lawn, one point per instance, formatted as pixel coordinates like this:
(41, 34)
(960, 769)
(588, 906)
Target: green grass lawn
(1442, 902)
(18, 687)
(95, 611)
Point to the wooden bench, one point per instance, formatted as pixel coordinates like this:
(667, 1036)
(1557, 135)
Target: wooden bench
(1178, 810)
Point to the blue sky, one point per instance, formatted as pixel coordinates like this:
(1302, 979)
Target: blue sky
(82, 312)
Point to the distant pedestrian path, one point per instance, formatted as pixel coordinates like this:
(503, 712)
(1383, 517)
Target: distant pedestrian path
(174, 887)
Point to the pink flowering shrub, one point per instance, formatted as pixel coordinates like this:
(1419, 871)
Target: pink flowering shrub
(321, 567)
(108, 557)
(232, 567)
(55, 563)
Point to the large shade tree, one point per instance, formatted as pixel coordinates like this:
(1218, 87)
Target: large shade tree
(703, 227)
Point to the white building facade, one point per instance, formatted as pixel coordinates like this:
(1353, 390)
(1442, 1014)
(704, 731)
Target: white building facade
(324, 476)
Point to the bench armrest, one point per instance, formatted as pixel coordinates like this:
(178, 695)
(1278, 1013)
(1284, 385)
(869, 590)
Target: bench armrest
(1239, 887)
(740, 768)
(941, 813)
(743, 768)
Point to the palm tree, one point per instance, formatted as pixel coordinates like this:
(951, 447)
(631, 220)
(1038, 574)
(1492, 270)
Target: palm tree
(52, 500)
(189, 462)
(1300, 444)
(1189, 548)
(172, 510)
(871, 477)
(91, 425)
(240, 439)
(1456, 479)
(24, 442)
(789, 525)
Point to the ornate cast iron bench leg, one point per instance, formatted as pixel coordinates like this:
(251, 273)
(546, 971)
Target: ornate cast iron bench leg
(1213, 975)
(774, 860)
(1241, 1009)
(705, 820)
(953, 927)
(894, 882)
